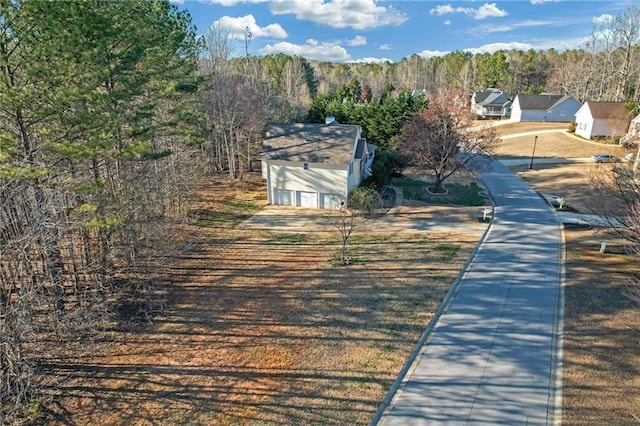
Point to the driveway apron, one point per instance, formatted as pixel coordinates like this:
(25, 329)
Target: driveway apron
(490, 356)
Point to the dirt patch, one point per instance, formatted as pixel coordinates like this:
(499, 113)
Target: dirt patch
(260, 327)
(571, 181)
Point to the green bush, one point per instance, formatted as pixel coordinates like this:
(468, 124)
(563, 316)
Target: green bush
(386, 165)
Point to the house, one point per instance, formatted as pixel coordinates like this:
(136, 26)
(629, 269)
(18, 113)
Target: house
(602, 119)
(491, 103)
(544, 107)
(633, 134)
(314, 165)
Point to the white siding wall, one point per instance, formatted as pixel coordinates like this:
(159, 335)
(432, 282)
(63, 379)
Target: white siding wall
(584, 122)
(600, 128)
(293, 176)
(516, 112)
(354, 178)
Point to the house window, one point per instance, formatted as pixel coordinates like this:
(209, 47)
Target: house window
(306, 166)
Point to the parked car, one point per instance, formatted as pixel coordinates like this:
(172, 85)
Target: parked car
(605, 158)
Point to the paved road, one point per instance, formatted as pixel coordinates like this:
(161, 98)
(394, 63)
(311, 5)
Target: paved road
(491, 357)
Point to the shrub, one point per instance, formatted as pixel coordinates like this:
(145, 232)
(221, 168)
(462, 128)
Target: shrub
(365, 199)
(386, 165)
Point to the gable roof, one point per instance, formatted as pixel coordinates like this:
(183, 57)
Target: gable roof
(608, 110)
(541, 102)
(491, 97)
(360, 148)
(310, 143)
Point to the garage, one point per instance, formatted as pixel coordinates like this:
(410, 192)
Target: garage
(307, 199)
(331, 201)
(282, 197)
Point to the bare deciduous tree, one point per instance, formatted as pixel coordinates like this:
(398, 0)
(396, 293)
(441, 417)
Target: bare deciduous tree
(438, 141)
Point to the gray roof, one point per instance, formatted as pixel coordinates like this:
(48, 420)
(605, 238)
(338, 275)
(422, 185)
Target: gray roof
(542, 102)
(310, 143)
(360, 148)
(491, 97)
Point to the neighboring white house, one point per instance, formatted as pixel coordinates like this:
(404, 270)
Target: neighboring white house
(314, 165)
(491, 103)
(633, 134)
(544, 107)
(602, 119)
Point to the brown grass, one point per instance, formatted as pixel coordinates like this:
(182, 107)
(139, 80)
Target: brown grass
(602, 334)
(262, 328)
(555, 145)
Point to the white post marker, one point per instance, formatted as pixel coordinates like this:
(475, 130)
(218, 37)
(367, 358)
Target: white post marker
(485, 212)
(603, 246)
(561, 202)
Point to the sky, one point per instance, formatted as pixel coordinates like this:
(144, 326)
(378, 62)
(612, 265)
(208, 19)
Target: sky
(375, 31)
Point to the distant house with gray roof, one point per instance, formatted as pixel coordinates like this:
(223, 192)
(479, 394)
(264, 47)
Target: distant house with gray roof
(491, 103)
(602, 119)
(314, 165)
(544, 107)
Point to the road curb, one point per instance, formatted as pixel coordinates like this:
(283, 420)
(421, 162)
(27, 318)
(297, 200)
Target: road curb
(412, 361)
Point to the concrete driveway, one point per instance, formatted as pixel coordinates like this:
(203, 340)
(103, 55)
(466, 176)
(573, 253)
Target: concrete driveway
(492, 354)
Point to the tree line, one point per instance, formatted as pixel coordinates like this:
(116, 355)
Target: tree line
(606, 68)
(99, 131)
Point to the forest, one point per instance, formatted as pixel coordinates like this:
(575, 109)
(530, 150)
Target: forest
(111, 112)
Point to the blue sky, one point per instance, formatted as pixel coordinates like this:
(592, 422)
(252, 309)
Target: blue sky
(371, 31)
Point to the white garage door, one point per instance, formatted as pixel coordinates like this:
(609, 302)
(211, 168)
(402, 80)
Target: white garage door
(282, 197)
(330, 201)
(307, 199)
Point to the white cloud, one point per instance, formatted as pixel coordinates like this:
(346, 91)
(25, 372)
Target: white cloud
(603, 19)
(385, 46)
(230, 2)
(356, 14)
(371, 61)
(312, 49)
(487, 10)
(357, 41)
(237, 27)
(490, 11)
(497, 29)
(494, 47)
(447, 22)
(444, 9)
(543, 1)
(432, 53)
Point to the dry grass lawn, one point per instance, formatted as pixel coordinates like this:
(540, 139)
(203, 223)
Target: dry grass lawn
(549, 144)
(262, 328)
